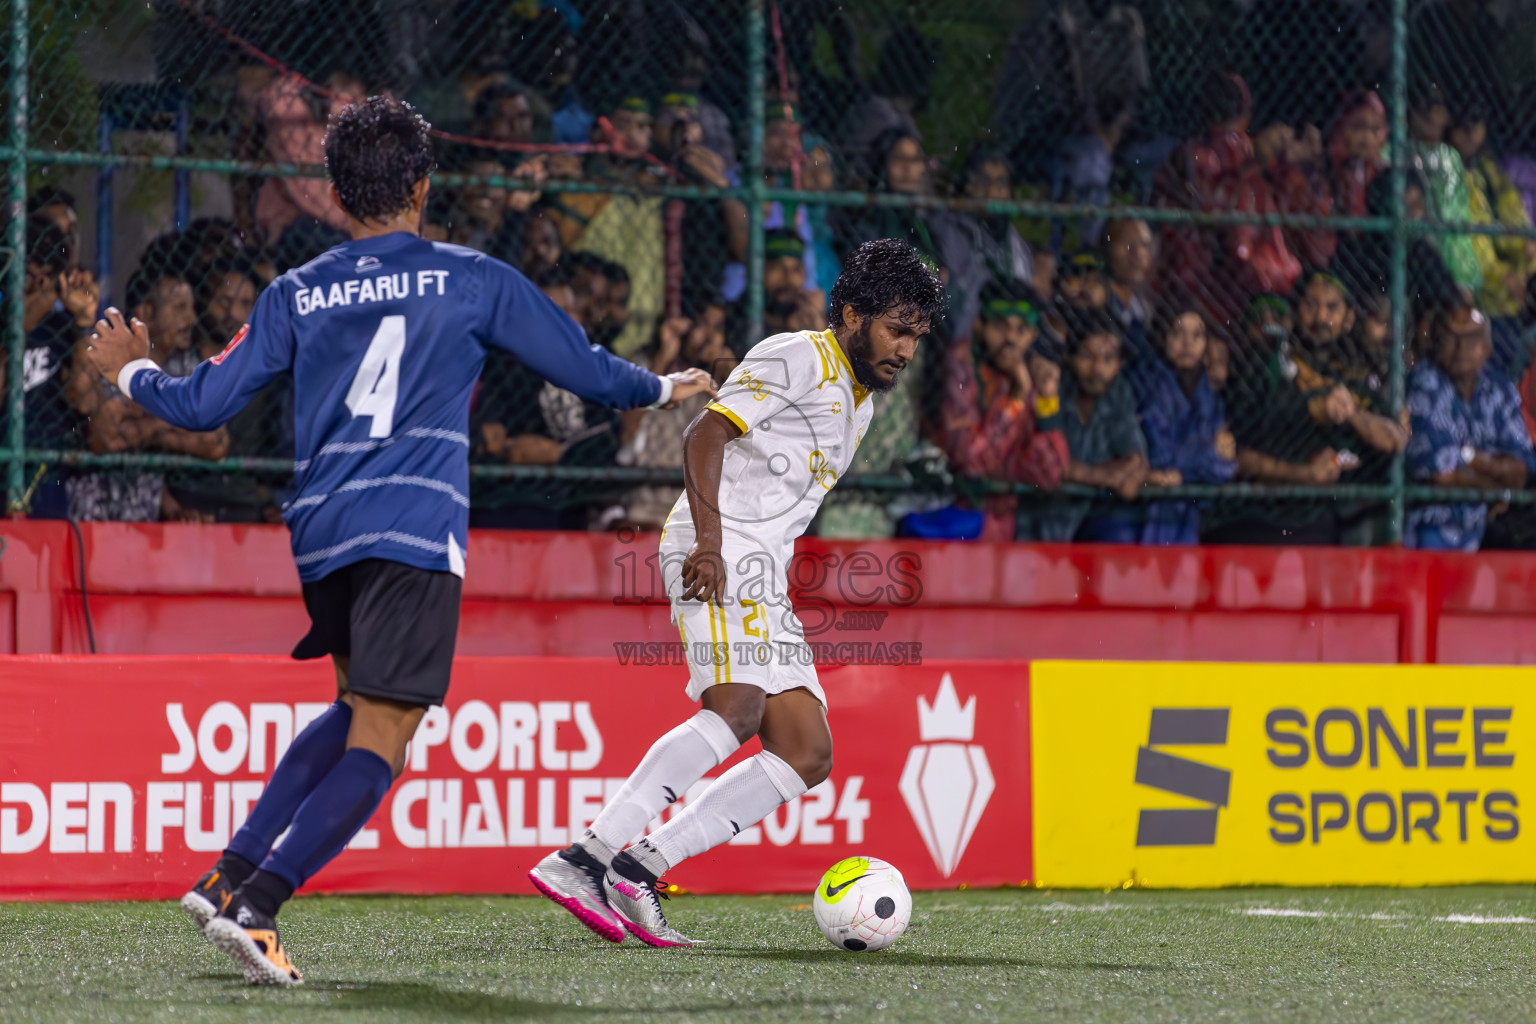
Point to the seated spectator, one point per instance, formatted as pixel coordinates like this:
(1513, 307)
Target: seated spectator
(1001, 418)
(491, 218)
(1357, 147)
(1082, 283)
(164, 302)
(787, 306)
(1445, 179)
(655, 439)
(1293, 173)
(1185, 424)
(1467, 431)
(601, 292)
(1506, 262)
(264, 428)
(540, 249)
(1104, 440)
(1364, 259)
(1315, 408)
(976, 248)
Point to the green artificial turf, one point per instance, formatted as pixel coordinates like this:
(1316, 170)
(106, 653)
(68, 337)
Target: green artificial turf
(1250, 954)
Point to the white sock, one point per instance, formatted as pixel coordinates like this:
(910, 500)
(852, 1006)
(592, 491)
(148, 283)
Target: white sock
(739, 799)
(674, 762)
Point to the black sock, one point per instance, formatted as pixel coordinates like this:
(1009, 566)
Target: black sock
(235, 869)
(266, 892)
(575, 854)
(625, 864)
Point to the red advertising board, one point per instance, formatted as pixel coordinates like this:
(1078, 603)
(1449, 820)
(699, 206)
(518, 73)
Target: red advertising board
(122, 777)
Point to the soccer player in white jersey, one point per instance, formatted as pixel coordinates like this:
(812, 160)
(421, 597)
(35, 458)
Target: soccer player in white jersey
(758, 462)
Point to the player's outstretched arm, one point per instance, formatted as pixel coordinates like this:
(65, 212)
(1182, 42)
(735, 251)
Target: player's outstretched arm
(524, 321)
(218, 388)
(703, 454)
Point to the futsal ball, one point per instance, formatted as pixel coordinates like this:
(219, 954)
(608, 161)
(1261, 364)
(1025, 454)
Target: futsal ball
(862, 904)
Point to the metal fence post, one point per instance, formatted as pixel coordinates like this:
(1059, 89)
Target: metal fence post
(753, 166)
(1399, 283)
(16, 270)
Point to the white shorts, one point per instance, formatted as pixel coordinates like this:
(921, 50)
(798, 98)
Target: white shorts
(740, 640)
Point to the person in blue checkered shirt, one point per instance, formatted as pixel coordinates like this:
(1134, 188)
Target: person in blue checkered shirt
(1467, 430)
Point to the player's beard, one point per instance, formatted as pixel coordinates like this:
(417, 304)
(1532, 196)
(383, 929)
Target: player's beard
(859, 347)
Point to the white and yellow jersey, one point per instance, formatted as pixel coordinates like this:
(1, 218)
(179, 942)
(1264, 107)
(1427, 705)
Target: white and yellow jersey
(801, 416)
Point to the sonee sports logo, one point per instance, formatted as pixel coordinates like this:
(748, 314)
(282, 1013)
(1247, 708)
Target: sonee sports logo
(1194, 826)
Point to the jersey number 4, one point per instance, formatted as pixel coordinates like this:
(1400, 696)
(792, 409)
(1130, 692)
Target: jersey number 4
(377, 384)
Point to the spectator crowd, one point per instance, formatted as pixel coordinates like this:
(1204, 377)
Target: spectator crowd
(1108, 355)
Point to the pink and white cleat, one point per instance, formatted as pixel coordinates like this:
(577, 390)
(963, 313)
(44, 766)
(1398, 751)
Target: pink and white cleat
(573, 878)
(638, 905)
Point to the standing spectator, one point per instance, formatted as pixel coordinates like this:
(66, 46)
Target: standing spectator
(1506, 262)
(700, 236)
(294, 117)
(1001, 418)
(901, 168)
(264, 428)
(655, 439)
(1131, 254)
(1467, 431)
(893, 97)
(1185, 423)
(1445, 180)
(1104, 440)
(1082, 284)
(1357, 150)
(978, 249)
(82, 293)
(54, 378)
(784, 146)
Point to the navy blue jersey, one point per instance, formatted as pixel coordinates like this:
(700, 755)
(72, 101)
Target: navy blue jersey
(386, 337)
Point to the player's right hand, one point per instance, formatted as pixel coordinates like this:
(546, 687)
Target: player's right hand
(690, 382)
(703, 575)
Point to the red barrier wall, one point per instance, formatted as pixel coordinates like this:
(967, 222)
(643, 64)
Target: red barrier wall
(135, 799)
(173, 589)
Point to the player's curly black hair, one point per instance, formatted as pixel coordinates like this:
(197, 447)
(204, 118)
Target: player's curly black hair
(375, 153)
(888, 275)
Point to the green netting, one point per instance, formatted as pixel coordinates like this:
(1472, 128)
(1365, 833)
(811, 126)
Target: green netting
(1215, 232)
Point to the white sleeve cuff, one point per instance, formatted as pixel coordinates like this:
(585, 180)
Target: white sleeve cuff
(125, 375)
(666, 393)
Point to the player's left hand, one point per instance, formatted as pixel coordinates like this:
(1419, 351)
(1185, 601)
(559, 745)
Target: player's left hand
(117, 343)
(690, 382)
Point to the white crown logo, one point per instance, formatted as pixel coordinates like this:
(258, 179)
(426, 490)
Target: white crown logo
(946, 718)
(946, 782)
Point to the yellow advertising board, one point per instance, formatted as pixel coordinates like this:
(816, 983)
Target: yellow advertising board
(1189, 776)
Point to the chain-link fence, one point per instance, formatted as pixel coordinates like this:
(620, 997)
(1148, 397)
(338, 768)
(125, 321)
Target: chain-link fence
(1233, 270)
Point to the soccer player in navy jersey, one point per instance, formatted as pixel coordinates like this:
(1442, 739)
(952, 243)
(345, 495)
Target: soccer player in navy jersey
(385, 336)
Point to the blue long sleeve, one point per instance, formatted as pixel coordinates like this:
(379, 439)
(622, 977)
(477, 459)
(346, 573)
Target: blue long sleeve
(220, 387)
(524, 321)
